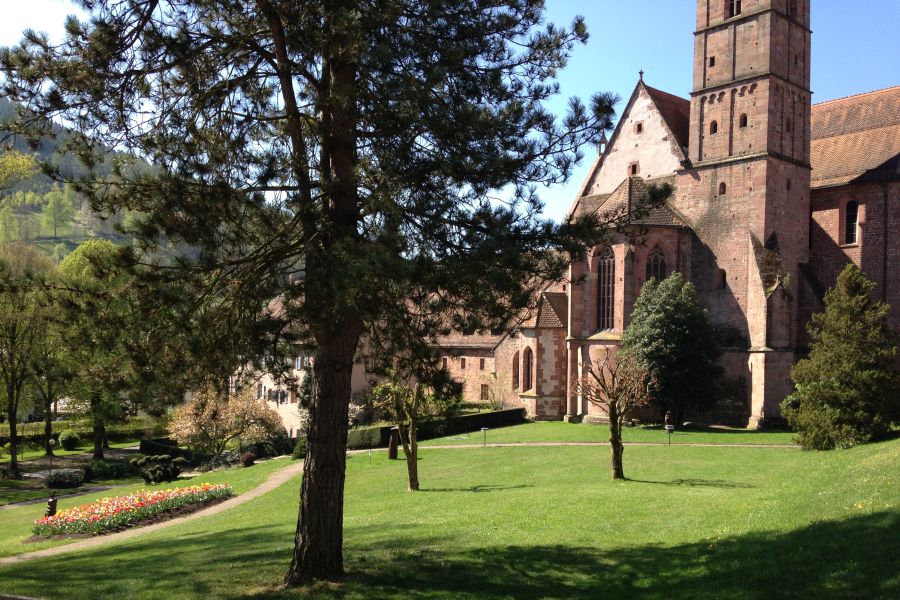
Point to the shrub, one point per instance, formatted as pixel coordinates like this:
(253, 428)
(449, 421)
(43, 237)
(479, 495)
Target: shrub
(65, 478)
(247, 459)
(299, 449)
(69, 440)
(101, 469)
(159, 469)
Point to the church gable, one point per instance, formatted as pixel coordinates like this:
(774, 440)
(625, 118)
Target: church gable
(645, 143)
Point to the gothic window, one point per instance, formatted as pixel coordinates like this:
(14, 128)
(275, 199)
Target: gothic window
(722, 189)
(606, 287)
(713, 128)
(515, 371)
(527, 366)
(851, 221)
(743, 121)
(733, 8)
(656, 264)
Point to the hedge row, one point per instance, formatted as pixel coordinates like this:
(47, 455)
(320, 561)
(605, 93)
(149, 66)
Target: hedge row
(165, 446)
(116, 435)
(378, 437)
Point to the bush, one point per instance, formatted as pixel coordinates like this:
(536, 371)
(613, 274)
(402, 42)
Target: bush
(69, 440)
(247, 459)
(299, 449)
(160, 468)
(101, 469)
(65, 478)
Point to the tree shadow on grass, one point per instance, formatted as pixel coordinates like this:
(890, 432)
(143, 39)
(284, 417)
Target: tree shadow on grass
(477, 489)
(695, 482)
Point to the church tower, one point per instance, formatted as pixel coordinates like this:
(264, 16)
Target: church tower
(749, 176)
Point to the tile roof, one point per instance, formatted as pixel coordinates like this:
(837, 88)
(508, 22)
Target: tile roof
(856, 138)
(552, 312)
(476, 340)
(624, 200)
(675, 111)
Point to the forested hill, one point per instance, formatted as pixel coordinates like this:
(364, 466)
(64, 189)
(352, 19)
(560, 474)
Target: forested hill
(43, 212)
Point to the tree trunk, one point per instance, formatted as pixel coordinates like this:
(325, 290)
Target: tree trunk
(318, 544)
(411, 452)
(99, 428)
(615, 442)
(48, 426)
(12, 416)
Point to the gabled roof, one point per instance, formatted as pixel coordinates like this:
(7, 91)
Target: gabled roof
(552, 312)
(856, 139)
(675, 111)
(626, 199)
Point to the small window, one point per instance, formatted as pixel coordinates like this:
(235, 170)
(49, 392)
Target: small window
(713, 128)
(481, 364)
(722, 189)
(634, 169)
(721, 279)
(733, 8)
(712, 61)
(259, 391)
(788, 185)
(851, 222)
(787, 126)
(462, 362)
(742, 122)
(485, 392)
(444, 363)
(639, 128)
(515, 371)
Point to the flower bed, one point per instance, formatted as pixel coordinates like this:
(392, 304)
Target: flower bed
(123, 511)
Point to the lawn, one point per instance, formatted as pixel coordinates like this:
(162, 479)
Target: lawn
(15, 523)
(557, 431)
(540, 523)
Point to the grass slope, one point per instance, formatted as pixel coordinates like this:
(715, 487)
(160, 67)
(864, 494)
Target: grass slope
(541, 523)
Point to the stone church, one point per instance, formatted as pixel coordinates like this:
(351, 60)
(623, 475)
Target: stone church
(772, 197)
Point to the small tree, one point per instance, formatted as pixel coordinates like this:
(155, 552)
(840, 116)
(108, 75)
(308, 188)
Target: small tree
(671, 335)
(617, 386)
(848, 390)
(212, 419)
(14, 167)
(59, 211)
(407, 405)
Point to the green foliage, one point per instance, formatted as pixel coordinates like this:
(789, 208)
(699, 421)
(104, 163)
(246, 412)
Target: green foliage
(848, 390)
(304, 394)
(161, 468)
(65, 478)
(59, 211)
(98, 470)
(69, 440)
(670, 333)
(15, 166)
(299, 452)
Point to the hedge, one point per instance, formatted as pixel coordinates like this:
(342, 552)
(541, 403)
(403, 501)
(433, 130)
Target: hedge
(378, 437)
(165, 446)
(87, 436)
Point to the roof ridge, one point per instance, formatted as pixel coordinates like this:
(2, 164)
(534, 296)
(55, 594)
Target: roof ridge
(650, 87)
(859, 95)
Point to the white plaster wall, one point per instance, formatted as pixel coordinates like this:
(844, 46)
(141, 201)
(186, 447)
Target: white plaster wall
(653, 149)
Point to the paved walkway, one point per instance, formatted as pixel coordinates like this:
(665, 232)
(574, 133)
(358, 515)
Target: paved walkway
(59, 496)
(521, 444)
(275, 480)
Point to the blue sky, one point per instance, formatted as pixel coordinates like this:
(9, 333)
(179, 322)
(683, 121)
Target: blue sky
(855, 49)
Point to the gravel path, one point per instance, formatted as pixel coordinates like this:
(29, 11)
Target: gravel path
(274, 481)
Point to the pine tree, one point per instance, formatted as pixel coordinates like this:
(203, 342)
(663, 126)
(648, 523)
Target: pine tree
(670, 333)
(342, 156)
(848, 390)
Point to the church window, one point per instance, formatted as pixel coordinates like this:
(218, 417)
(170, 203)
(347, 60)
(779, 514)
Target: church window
(733, 8)
(515, 371)
(722, 189)
(639, 127)
(712, 61)
(742, 122)
(656, 264)
(527, 366)
(714, 128)
(633, 169)
(606, 287)
(851, 222)
(720, 279)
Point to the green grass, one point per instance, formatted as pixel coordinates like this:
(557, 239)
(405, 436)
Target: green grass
(557, 431)
(15, 523)
(694, 522)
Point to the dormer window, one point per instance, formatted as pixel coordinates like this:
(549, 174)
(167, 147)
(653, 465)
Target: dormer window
(732, 8)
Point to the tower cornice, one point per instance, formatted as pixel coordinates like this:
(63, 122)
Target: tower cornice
(749, 15)
(756, 77)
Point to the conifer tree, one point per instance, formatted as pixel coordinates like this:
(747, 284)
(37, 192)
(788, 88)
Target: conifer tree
(344, 156)
(848, 390)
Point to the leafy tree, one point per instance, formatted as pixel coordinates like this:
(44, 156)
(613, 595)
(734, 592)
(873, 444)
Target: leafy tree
(14, 167)
(59, 252)
(58, 212)
(7, 223)
(212, 419)
(848, 390)
(22, 327)
(344, 156)
(670, 334)
(51, 368)
(617, 386)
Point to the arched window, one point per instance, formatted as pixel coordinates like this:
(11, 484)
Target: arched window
(851, 222)
(722, 189)
(656, 264)
(527, 366)
(714, 127)
(742, 122)
(606, 288)
(515, 371)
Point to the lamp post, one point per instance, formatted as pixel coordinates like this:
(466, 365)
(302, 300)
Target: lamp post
(484, 430)
(51, 442)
